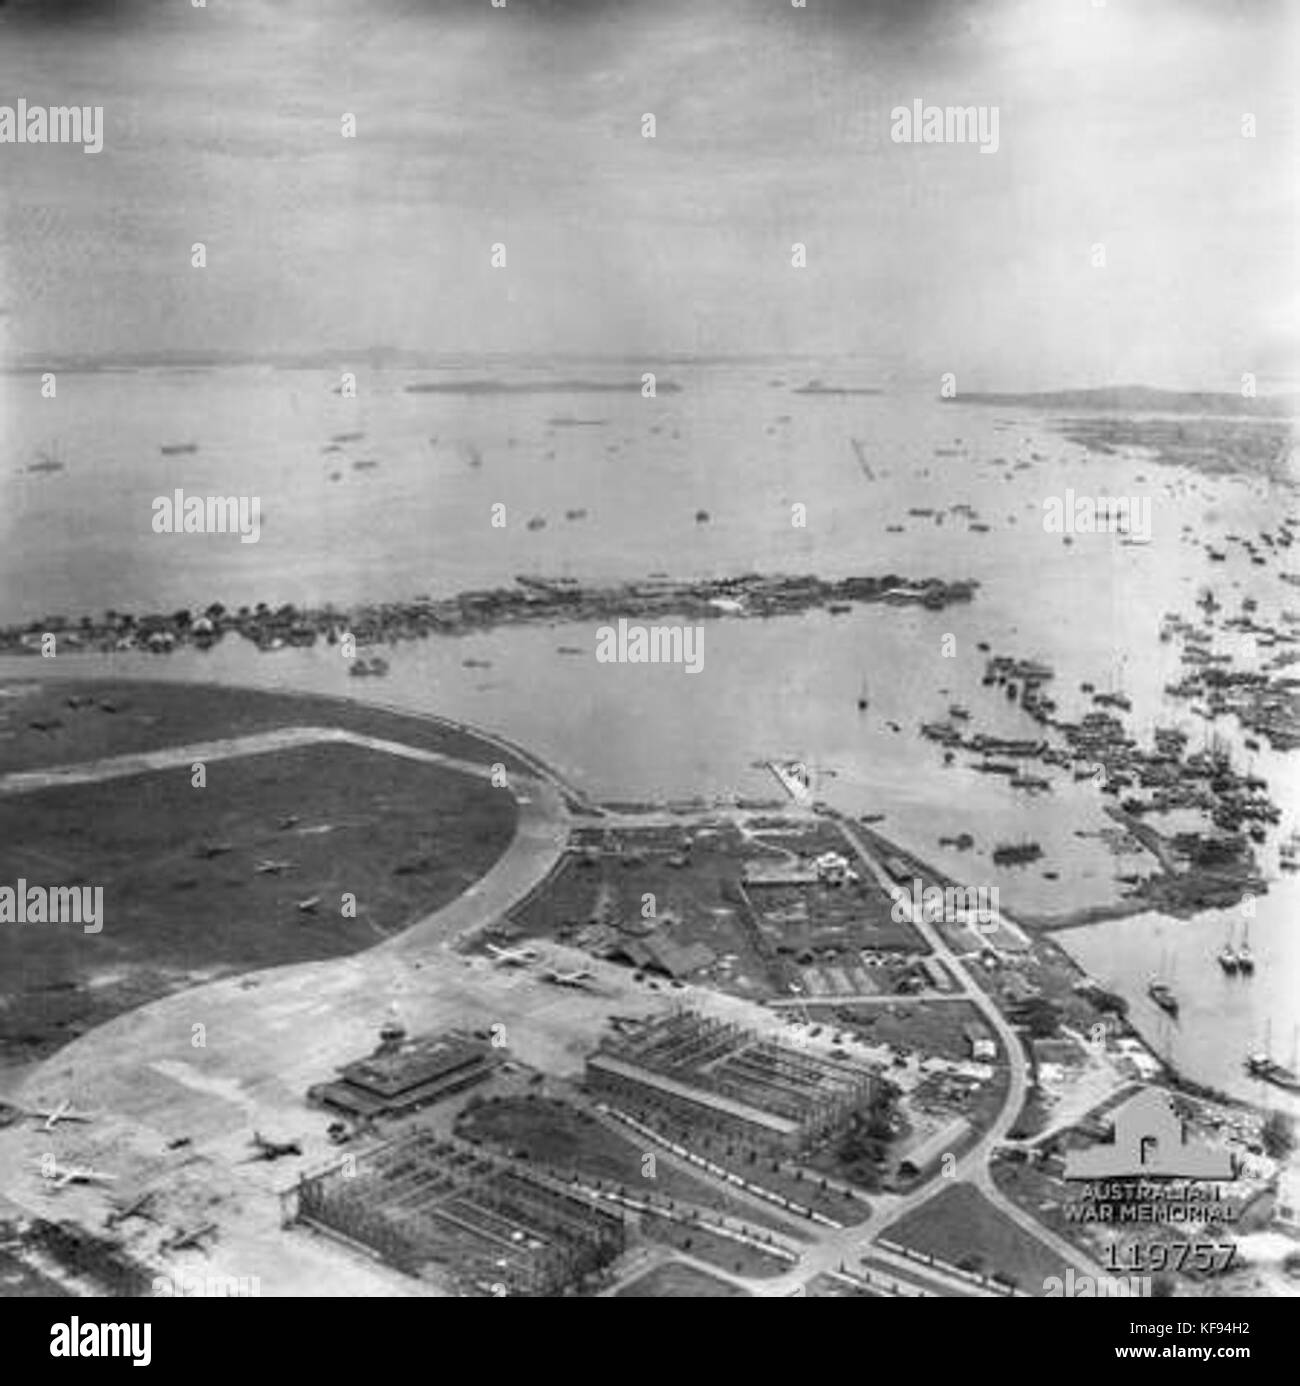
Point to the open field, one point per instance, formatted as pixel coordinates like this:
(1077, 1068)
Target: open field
(201, 881)
(780, 1177)
(709, 1246)
(933, 1029)
(566, 1139)
(961, 1227)
(828, 1287)
(675, 1280)
(119, 718)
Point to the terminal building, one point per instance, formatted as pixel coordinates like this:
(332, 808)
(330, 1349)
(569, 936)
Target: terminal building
(403, 1076)
(689, 1075)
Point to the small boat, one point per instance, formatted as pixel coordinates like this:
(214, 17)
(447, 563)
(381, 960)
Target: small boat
(1245, 958)
(1163, 997)
(863, 701)
(1260, 1065)
(1228, 958)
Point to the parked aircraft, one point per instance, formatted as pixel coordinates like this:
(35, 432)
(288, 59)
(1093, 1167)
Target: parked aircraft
(53, 1115)
(580, 978)
(511, 957)
(137, 1208)
(78, 1174)
(273, 1150)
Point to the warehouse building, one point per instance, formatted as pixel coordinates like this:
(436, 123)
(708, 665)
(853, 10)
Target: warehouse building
(921, 1153)
(690, 1075)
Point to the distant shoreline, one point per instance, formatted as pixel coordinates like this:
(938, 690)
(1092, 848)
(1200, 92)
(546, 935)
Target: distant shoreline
(1141, 399)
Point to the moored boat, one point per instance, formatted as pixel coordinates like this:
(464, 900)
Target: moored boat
(1163, 997)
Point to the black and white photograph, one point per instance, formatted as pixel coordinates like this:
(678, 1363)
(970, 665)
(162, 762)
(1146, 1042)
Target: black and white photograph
(650, 649)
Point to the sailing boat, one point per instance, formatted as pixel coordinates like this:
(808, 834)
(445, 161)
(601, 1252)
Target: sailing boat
(1229, 958)
(1262, 1064)
(1161, 994)
(1245, 958)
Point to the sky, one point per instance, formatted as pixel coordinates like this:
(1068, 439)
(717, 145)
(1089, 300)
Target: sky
(1119, 124)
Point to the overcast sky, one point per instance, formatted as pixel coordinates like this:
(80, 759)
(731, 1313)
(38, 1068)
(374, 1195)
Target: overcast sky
(1119, 124)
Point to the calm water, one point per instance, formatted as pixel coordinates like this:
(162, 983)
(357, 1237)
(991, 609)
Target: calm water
(745, 450)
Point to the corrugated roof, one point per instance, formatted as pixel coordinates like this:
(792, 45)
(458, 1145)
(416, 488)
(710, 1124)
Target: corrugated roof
(607, 1063)
(930, 1148)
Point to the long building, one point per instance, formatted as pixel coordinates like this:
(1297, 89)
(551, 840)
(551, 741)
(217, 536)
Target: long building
(695, 1074)
(402, 1077)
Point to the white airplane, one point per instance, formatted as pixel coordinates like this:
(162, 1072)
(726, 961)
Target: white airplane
(568, 979)
(53, 1115)
(511, 957)
(79, 1174)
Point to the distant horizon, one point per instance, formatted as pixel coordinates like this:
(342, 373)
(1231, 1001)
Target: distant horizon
(401, 359)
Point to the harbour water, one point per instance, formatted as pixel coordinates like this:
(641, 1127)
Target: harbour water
(621, 482)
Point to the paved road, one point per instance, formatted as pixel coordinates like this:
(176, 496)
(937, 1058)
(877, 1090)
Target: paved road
(227, 748)
(974, 1165)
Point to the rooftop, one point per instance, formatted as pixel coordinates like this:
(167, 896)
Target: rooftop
(408, 1065)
